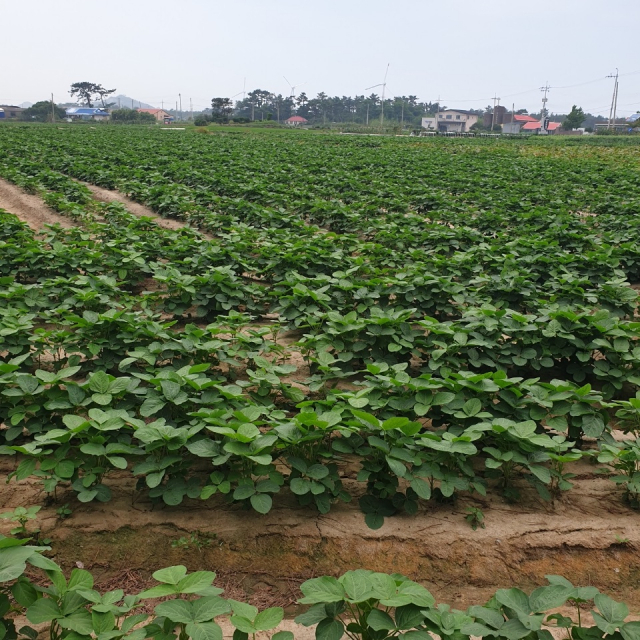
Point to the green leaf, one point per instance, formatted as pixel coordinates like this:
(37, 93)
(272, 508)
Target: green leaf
(196, 581)
(315, 614)
(243, 609)
(612, 611)
(103, 399)
(550, 597)
(80, 579)
(205, 609)
(24, 592)
(515, 599)
(324, 589)
(261, 502)
(244, 491)
(170, 575)
(300, 486)
(630, 630)
(204, 631)
(65, 469)
(179, 611)
(422, 488)
(159, 591)
(269, 619)
(380, 621)
(13, 562)
(357, 585)
(472, 407)
(102, 622)
(43, 610)
(99, 382)
(329, 630)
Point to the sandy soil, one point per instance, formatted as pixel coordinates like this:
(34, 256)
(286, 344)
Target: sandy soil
(590, 536)
(29, 208)
(137, 209)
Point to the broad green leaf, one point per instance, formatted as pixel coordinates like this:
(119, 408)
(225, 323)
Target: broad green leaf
(324, 589)
(329, 630)
(43, 610)
(380, 621)
(515, 599)
(170, 575)
(269, 619)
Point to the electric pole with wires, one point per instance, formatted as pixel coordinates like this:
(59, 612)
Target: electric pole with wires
(543, 111)
(614, 101)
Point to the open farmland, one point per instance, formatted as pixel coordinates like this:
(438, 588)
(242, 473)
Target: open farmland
(339, 349)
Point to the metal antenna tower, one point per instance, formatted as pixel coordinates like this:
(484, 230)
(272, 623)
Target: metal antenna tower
(384, 86)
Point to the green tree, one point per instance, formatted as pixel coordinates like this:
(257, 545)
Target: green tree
(221, 109)
(88, 92)
(574, 119)
(130, 116)
(41, 112)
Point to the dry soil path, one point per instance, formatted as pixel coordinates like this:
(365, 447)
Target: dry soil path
(137, 209)
(589, 535)
(29, 208)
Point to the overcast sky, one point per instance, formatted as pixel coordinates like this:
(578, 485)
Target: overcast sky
(465, 51)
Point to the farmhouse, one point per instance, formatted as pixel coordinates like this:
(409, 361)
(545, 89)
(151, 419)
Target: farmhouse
(10, 112)
(87, 113)
(159, 114)
(295, 121)
(535, 126)
(514, 123)
(451, 121)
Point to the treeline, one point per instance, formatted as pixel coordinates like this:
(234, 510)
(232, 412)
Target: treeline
(324, 109)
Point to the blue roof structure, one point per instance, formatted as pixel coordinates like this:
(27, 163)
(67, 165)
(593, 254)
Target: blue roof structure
(86, 111)
(633, 118)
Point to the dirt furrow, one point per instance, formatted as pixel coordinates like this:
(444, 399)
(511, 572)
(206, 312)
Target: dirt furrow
(137, 209)
(29, 208)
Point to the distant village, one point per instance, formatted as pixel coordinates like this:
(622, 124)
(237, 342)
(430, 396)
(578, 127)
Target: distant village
(404, 113)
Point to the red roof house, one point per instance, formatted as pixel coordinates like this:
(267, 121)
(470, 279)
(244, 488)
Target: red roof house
(535, 126)
(159, 114)
(296, 121)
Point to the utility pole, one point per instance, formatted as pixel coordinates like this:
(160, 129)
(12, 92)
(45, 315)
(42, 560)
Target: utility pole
(543, 111)
(614, 101)
(384, 86)
(53, 110)
(180, 96)
(493, 115)
(438, 116)
(367, 114)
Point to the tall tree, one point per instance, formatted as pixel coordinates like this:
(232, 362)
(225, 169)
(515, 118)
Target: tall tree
(221, 108)
(575, 118)
(88, 92)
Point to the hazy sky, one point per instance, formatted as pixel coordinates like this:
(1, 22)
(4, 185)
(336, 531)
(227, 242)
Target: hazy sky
(464, 51)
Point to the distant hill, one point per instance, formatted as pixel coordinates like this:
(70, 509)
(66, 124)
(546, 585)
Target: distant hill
(127, 102)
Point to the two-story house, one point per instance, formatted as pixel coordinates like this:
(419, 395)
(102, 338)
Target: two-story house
(451, 121)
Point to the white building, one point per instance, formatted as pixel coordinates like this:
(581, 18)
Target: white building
(451, 121)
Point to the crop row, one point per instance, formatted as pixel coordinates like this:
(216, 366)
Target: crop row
(440, 345)
(360, 604)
